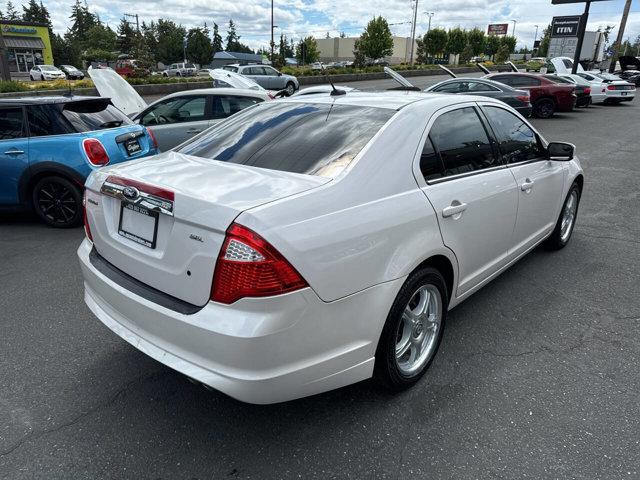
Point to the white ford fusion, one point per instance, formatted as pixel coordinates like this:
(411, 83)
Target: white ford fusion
(310, 243)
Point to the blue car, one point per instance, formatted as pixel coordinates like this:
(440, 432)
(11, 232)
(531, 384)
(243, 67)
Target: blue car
(50, 145)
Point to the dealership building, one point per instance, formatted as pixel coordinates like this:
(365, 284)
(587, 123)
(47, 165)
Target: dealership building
(27, 44)
(341, 49)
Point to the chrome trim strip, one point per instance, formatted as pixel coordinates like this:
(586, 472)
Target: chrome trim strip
(144, 199)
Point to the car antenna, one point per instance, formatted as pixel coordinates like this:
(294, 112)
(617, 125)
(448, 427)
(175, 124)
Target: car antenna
(335, 92)
(483, 68)
(442, 67)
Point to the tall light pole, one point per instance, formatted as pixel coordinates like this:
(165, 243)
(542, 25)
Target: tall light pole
(513, 33)
(430, 15)
(535, 39)
(272, 27)
(413, 30)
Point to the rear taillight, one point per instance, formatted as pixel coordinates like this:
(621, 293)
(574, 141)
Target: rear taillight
(248, 266)
(611, 87)
(524, 98)
(96, 154)
(587, 91)
(154, 141)
(87, 228)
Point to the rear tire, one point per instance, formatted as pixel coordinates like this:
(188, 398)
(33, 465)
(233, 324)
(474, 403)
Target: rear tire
(290, 89)
(544, 108)
(412, 333)
(567, 220)
(58, 202)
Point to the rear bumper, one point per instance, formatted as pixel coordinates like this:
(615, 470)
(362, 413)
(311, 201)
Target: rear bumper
(257, 350)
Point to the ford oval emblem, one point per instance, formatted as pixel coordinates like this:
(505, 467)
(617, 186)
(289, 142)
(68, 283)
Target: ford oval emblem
(130, 193)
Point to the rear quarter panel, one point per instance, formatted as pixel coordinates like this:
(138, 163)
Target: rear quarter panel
(369, 226)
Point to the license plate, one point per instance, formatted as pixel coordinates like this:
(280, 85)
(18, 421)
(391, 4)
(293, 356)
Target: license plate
(138, 224)
(133, 146)
(623, 93)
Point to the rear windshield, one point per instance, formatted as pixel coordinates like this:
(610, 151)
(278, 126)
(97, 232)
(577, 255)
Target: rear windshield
(86, 116)
(314, 139)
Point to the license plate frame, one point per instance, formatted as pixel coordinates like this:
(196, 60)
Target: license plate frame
(139, 210)
(132, 146)
(624, 94)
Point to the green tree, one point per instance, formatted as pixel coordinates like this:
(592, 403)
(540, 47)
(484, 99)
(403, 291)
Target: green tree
(476, 39)
(12, 13)
(149, 32)
(510, 42)
(457, 40)
(142, 53)
(543, 50)
(232, 37)
(63, 52)
(36, 12)
(309, 53)
(359, 58)
(502, 55)
(126, 37)
(81, 21)
(435, 41)
(199, 48)
(376, 41)
(170, 36)
(492, 45)
(216, 43)
(100, 37)
(466, 54)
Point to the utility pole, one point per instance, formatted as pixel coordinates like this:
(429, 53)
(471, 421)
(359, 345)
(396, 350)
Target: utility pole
(272, 42)
(513, 33)
(4, 63)
(133, 15)
(581, 29)
(413, 30)
(616, 46)
(430, 15)
(535, 39)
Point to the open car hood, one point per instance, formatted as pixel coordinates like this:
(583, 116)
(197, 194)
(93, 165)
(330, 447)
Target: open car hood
(111, 85)
(560, 67)
(627, 62)
(233, 79)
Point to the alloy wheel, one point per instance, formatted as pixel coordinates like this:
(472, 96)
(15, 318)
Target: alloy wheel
(56, 203)
(568, 216)
(416, 338)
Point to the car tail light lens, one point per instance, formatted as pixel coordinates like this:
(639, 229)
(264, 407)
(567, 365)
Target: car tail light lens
(248, 266)
(154, 141)
(87, 228)
(587, 91)
(96, 154)
(524, 98)
(611, 87)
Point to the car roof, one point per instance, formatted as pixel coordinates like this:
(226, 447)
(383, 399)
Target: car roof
(393, 100)
(45, 100)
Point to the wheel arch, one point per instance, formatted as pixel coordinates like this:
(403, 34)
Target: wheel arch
(46, 169)
(446, 265)
(580, 181)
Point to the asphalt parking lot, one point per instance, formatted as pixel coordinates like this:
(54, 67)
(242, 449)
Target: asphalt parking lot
(537, 376)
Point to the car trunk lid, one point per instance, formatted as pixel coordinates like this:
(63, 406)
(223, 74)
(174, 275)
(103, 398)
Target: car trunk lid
(163, 220)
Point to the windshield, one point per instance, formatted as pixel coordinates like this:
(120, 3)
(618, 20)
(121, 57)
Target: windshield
(88, 115)
(314, 139)
(48, 68)
(70, 67)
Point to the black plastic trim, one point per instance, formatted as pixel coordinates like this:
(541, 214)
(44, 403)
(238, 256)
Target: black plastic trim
(141, 289)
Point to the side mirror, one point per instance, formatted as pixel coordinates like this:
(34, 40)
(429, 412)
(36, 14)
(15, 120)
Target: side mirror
(279, 74)
(561, 151)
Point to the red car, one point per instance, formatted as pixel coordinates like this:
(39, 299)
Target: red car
(547, 96)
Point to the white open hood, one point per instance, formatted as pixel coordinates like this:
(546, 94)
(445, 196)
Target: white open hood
(123, 96)
(233, 79)
(560, 66)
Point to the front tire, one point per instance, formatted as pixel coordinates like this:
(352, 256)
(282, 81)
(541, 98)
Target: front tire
(567, 220)
(544, 108)
(290, 88)
(413, 330)
(58, 202)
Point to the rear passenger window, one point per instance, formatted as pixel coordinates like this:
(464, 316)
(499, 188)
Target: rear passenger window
(462, 141)
(11, 123)
(225, 106)
(430, 165)
(45, 121)
(518, 143)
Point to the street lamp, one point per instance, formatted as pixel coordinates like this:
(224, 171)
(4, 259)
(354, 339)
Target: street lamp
(430, 15)
(535, 39)
(514, 28)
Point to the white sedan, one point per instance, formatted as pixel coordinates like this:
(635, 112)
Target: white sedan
(614, 89)
(313, 242)
(46, 72)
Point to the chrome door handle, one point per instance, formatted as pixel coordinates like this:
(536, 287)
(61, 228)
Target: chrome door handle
(526, 185)
(14, 152)
(454, 209)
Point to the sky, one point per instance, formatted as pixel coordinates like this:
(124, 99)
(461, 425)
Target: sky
(299, 18)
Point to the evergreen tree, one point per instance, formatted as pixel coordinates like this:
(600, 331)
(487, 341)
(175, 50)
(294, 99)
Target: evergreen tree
(457, 41)
(476, 39)
(12, 13)
(81, 21)
(232, 37)
(216, 43)
(310, 51)
(149, 32)
(126, 37)
(169, 37)
(199, 48)
(492, 45)
(544, 42)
